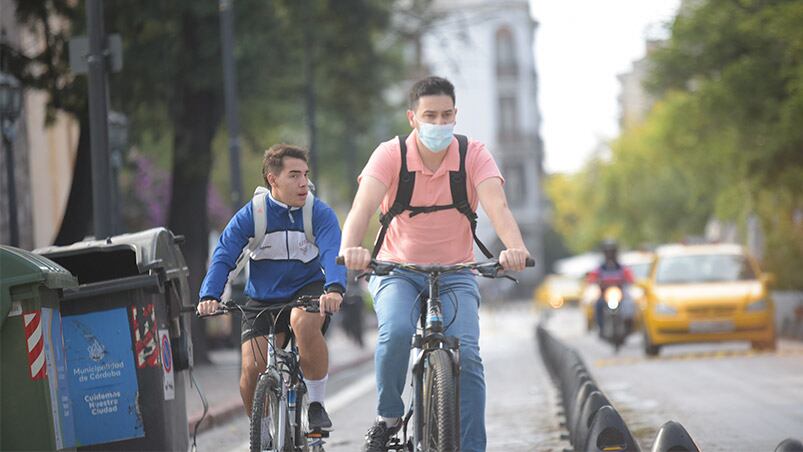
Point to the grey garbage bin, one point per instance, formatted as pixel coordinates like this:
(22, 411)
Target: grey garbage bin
(127, 346)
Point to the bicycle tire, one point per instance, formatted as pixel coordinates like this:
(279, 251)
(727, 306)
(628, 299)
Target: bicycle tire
(441, 411)
(302, 422)
(266, 403)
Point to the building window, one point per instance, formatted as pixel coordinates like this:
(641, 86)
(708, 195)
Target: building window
(515, 185)
(508, 118)
(505, 53)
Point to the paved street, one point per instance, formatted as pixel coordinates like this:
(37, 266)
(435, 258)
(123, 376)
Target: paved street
(727, 397)
(520, 408)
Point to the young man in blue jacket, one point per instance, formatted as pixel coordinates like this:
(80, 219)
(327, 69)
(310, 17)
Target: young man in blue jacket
(284, 266)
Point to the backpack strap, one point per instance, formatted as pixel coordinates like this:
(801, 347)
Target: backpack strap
(457, 184)
(403, 195)
(258, 206)
(306, 213)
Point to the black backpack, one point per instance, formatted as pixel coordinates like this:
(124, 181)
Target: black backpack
(457, 183)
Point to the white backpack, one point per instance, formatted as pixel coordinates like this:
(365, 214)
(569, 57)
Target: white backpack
(259, 204)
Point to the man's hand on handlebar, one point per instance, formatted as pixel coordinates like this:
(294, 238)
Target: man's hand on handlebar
(356, 258)
(329, 303)
(513, 259)
(208, 307)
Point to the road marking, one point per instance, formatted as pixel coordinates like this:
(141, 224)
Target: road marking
(343, 398)
(340, 400)
(718, 354)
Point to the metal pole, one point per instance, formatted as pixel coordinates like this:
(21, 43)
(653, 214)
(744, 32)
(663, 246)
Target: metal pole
(13, 223)
(230, 95)
(98, 120)
(309, 72)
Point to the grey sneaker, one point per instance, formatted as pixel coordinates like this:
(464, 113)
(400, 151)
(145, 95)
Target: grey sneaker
(376, 440)
(318, 418)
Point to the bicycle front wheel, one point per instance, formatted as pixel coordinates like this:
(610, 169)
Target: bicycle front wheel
(265, 418)
(441, 410)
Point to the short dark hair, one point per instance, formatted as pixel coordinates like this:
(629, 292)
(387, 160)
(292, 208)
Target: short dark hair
(430, 86)
(274, 158)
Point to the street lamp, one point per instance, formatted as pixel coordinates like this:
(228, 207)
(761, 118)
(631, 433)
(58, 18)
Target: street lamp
(10, 107)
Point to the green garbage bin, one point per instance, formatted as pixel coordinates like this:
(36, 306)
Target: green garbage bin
(127, 345)
(34, 402)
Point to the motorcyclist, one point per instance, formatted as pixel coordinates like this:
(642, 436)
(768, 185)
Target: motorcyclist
(612, 273)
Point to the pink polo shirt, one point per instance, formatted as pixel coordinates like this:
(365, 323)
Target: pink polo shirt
(442, 237)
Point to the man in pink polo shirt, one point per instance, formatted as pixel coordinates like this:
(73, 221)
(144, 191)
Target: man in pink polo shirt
(423, 235)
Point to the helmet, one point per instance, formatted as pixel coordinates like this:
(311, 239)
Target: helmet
(608, 245)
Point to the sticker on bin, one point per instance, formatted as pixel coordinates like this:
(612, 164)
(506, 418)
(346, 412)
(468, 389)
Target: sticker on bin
(56, 362)
(102, 376)
(143, 322)
(169, 381)
(36, 345)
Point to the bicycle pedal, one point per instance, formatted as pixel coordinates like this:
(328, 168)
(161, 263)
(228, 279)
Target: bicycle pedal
(317, 434)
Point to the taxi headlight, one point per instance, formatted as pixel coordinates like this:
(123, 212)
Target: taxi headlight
(665, 309)
(760, 305)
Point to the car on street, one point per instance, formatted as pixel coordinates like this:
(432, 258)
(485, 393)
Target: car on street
(558, 290)
(706, 293)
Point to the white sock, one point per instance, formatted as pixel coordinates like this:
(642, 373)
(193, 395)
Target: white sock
(389, 421)
(316, 389)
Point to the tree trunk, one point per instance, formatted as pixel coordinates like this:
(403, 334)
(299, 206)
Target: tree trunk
(197, 118)
(77, 220)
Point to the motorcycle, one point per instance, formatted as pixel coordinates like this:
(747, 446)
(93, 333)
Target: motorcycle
(616, 318)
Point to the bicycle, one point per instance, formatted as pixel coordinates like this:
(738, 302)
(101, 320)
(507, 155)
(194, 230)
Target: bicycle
(435, 405)
(280, 395)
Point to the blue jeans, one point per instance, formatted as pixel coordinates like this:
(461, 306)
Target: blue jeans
(395, 301)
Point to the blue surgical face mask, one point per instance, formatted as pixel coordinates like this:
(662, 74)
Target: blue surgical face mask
(435, 137)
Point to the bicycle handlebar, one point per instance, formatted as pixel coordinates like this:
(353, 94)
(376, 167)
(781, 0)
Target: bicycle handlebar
(308, 302)
(488, 269)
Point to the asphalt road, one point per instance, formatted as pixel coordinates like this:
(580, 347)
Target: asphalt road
(728, 397)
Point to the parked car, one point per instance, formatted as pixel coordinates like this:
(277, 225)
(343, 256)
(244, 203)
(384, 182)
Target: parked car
(705, 293)
(639, 264)
(557, 290)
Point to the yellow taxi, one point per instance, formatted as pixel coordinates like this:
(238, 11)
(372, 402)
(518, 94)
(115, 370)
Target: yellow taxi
(557, 290)
(639, 264)
(706, 293)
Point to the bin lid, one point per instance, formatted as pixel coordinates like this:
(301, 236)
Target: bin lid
(19, 267)
(154, 249)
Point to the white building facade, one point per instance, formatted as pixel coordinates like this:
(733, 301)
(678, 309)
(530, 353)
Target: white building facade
(486, 49)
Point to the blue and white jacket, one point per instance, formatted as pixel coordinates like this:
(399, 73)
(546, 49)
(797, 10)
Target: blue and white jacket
(285, 261)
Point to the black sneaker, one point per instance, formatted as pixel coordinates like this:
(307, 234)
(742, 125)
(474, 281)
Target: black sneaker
(318, 418)
(378, 435)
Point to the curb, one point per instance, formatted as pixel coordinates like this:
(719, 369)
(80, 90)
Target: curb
(224, 412)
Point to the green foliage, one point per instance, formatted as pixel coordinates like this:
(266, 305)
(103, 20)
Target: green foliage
(723, 141)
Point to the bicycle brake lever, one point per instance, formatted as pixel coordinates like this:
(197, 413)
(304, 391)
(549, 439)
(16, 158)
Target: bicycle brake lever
(510, 278)
(362, 275)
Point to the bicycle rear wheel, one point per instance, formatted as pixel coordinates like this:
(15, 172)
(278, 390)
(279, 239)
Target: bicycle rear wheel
(266, 407)
(302, 423)
(440, 404)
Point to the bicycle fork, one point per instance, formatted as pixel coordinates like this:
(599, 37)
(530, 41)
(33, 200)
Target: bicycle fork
(425, 346)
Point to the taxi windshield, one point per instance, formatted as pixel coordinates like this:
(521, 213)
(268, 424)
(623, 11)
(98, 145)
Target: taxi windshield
(703, 268)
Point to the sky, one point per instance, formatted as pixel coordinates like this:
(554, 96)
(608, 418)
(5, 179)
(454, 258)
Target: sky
(580, 48)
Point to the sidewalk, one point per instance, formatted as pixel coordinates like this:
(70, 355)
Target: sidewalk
(220, 381)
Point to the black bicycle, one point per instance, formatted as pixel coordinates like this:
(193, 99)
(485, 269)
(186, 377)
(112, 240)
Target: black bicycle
(435, 406)
(280, 395)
